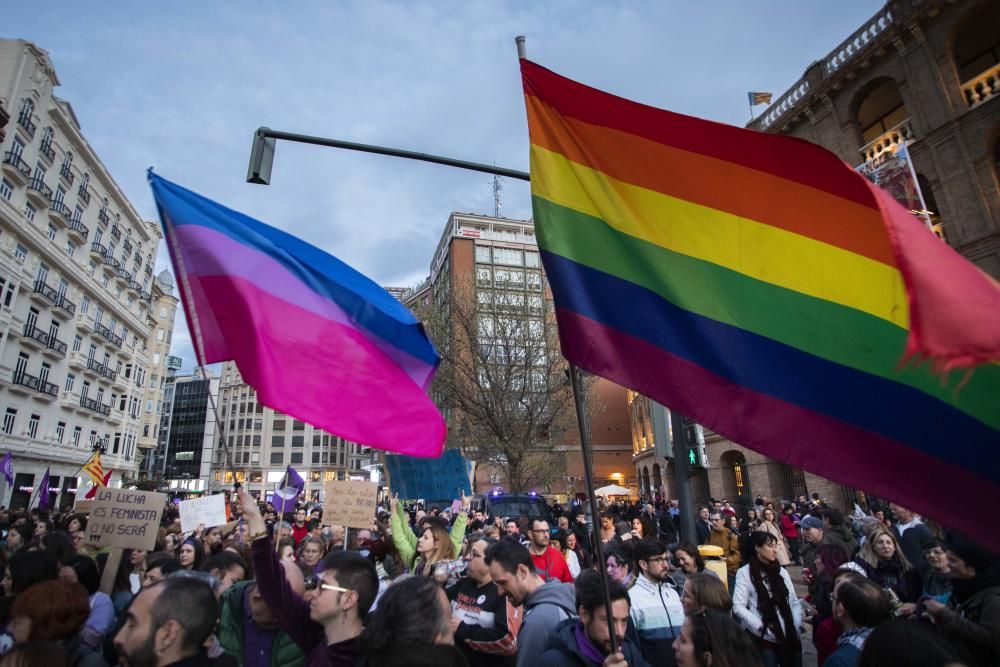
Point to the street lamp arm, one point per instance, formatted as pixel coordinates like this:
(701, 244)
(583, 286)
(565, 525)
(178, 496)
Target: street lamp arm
(262, 155)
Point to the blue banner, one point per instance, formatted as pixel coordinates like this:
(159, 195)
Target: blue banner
(445, 477)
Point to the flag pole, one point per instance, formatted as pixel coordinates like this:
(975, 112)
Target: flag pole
(219, 423)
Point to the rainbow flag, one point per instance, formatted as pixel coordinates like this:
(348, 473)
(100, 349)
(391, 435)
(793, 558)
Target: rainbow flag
(315, 338)
(758, 285)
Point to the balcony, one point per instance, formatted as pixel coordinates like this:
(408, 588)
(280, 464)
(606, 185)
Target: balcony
(116, 232)
(120, 381)
(886, 144)
(135, 288)
(102, 370)
(102, 215)
(147, 297)
(42, 293)
(95, 406)
(107, 335)
(111, 265)
(46, 151)
(24, 120)
(66, 174)
(83, 196)
(123, 276)
(127, 247)
(56, 348)
(59, 212)
(983, 87)
(98, 251)
(34, 337)
(44, 388)
(78, 231)
(65, 307)
(77, 360)
(15, 167)
(39, 193)
(146, 443)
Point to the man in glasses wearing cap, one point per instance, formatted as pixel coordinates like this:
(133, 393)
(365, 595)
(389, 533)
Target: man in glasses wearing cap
(327, 621)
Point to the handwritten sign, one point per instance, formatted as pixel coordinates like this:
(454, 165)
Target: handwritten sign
(125, 519)
(210, 511)
(350, 504)
(445, 477)
(83, 506)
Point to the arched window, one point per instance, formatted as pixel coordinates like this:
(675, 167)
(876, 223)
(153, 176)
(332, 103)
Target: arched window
(977, 44)
(85, 181)
(46, 144)
(880, 111)
(68, 160)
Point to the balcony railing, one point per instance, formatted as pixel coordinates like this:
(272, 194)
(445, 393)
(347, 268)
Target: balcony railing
(67, 305)
(24, 120)
(36, 384)
(112, 262)
(60, 209)
(135, 286)
(46, 150)
(78, 227)
(41, 287)
(95, 406)
(102, 215)
(888, 142)
(102, 369)
(36, 334)
(38, 185)
(17, 162)
(116, 232)
(99, 249)
(147, 297)
(67, 174)
(983, 87)
(57, 346)
(107, 335)
(83, 195)
(127, 247)
(123, 274)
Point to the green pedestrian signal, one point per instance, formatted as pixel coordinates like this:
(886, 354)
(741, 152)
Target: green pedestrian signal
(692, 457)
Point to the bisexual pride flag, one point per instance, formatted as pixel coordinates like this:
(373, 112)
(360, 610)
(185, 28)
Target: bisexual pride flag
(317, 340)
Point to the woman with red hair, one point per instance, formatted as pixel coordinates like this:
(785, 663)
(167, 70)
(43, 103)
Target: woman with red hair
(54, 611)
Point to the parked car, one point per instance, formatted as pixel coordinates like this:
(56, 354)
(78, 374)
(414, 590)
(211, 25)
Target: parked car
(517, 505)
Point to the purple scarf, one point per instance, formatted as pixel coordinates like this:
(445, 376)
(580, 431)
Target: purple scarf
(589, 651)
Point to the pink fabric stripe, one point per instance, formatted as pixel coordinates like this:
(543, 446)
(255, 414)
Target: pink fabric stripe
(778, 429)
(207, 252)
(954, 305)
(322, 372)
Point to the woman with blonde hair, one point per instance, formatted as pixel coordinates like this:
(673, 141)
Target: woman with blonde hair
(881, 559)
(769, 524)
(705, 590)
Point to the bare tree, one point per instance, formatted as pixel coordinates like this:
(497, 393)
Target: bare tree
(502, 382)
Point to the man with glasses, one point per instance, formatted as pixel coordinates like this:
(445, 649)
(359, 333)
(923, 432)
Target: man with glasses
(485, 623)
(549, 562)
(326, 622)
(726, 540)
(656, 607)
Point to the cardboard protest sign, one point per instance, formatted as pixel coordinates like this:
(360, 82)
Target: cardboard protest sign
(210, 511)
(350, 504)
(445, 477)
(124, 518)
(83, 506)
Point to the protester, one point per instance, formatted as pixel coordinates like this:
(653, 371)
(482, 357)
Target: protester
(656, 611)
(434, 545)
(586, 640)
(790, 532)
(912, 534)
(549, 561)
(227, 567)
(191, 554)
(836, 530)
(249, 631)
(764, 601)
(705, 590)
(55, 611)
(310, 551)
(168, 623)
(971, 618)
(545, 604)
(769, 524)
(859, 605)
(327, 622)
(903, 643)
(567, 547)
(484, 622)
(881, 560)
(703, 525)
(411, 626)
(819, 610)
(299, 529)
(83, 570)
(749, 522)
(710, 638)
(726, 540)
(620, 565)
(688, 561)
(936, 577)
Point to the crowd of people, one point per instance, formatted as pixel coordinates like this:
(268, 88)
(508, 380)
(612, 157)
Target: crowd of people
(463, 588)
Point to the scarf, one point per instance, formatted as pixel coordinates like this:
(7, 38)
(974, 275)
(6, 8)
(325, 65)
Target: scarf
(587, 648)
(773, 606)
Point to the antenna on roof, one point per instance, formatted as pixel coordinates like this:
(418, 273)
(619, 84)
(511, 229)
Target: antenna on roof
(497, 195)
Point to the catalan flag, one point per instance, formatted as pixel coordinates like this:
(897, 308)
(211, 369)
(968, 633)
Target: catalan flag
(759, 286)
(759, 98)
(94, 468)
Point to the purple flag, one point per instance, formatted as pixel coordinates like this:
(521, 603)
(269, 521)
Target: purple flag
(8, 467)
(43, 492)
(286, 495)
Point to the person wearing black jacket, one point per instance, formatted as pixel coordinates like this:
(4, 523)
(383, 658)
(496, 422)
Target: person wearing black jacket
(484, 622)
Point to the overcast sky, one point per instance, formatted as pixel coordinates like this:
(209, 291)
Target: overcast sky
(182, 86)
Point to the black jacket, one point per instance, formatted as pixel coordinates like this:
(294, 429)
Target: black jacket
(563, 650)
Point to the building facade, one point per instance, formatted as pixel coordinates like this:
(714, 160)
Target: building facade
(161, 314)
(76, 268)
(192, 434)
(497, 262)
(262, 443)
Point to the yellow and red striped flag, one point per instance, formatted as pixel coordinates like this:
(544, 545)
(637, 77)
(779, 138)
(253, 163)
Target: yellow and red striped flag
(94, 468)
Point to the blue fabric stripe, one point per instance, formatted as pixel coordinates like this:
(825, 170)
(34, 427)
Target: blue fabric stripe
(366, 303)
(877, 405)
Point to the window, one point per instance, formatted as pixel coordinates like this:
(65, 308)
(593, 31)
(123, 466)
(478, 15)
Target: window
(6, 189)
(8, 296)
(93, 438)
(277, 458)
(159, 335)
(149, 405)
(298, 441)
(70, 380)
(29, 212)
(279, 425)
(296, 457)
(77, 342)
(20, 252)
(531, 259)
(70, 248)
(76, 435)
(8, 420)
(507, 256)
(483, 254)
(60, 431)
(277, 441)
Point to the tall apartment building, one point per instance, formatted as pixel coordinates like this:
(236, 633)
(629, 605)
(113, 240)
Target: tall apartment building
(263, 443)
(162, 310)
(498, 259)
(192, 434)
(76, 268)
